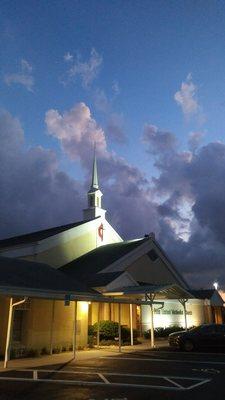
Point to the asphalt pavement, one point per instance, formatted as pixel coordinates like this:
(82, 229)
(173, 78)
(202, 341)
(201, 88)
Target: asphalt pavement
(138, 375)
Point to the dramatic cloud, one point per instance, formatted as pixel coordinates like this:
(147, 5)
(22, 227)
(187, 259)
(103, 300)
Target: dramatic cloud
(76, 131)
(87, 71)
(35, 194)
(186, 97)
(191, 185)
(126, 187)
(183, 205)
(23, 77)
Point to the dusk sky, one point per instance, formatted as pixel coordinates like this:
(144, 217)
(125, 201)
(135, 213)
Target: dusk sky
(145, 81)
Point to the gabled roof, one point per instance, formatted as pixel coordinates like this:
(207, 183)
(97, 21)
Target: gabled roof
(16, 272)
(88, 266)
(37, 236)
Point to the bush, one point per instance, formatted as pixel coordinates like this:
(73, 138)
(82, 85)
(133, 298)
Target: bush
(163, 332)
(109, 331)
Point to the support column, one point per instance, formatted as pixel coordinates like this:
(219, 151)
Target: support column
(151, 298)
(9, 329)
(52, 326)
(75, 330)
(131, 326)
(183, 302)
(119, 327)
(98, 327)
(8, 337)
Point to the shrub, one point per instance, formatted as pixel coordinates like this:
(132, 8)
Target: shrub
(109, 332)
(108, 329)
(163, 332)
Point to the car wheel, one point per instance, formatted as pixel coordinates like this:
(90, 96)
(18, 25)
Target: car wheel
(188, 345)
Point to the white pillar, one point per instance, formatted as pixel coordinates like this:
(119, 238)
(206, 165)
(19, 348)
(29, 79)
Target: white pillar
(183, 302)
(152, 325)
(131, 326)
(119, 327)
(75, 330)
(9, 329)
(98, 326)
(52, 326)
(8, 336)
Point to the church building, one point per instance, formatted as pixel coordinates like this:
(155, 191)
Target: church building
(85, 269)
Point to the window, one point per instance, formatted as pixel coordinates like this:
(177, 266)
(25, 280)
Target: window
(17, 325)
(153, 255)
(92, 201)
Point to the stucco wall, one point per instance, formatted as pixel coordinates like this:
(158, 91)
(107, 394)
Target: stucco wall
(173, 314)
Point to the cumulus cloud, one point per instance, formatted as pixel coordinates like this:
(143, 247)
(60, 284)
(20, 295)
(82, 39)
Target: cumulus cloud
(35, 193)
(87, 71)
(186, 97)
(23, 77)
(194, 140)
(191, 209)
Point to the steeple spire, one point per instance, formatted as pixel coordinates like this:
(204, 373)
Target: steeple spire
(94, 183)
(94, 195)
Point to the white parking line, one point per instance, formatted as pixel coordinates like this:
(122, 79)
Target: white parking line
(115, 384)
(179, 352)
(103, 378)
(163, 360)
(194, 381)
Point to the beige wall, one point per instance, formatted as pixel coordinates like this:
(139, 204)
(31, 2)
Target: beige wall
(145, 270)
(110, 312)
(65, 252)
(37, 323)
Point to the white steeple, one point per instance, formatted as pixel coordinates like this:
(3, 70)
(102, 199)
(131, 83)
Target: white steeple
(94, 196)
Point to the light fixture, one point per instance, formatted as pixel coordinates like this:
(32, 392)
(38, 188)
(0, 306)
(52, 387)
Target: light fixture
(216, 285)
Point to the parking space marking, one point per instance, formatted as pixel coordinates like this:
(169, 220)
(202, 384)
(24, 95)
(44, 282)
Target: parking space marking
(103, 378)
(194, 381)
(163, 360)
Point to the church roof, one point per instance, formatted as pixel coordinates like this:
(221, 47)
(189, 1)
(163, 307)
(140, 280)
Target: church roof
(87, 266)
(16, 272)
(38, 235)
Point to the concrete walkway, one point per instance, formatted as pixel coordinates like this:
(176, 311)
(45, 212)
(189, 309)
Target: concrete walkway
(81, 355)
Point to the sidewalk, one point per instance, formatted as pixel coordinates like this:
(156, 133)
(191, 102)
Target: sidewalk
(81, 355)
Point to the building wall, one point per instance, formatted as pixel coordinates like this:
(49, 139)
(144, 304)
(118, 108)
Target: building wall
(110, 312)
(39, 317)
(173, 314)
(154, 272)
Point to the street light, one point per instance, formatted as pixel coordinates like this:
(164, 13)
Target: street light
(215, 284)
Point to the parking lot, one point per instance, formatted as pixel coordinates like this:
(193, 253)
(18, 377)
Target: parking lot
(137, 375)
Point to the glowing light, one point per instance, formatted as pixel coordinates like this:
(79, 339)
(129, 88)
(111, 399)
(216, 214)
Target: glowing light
(216, 285)
(84, 306)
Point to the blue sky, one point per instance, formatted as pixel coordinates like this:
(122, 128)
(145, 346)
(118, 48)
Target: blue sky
(148, 48)
(145, 80)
